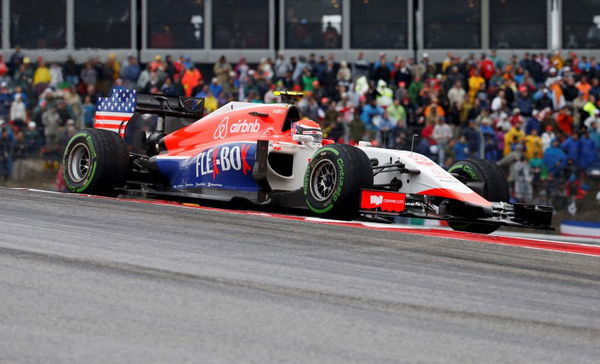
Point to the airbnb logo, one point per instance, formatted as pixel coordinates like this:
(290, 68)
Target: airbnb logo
(237, 127)
(221, 130)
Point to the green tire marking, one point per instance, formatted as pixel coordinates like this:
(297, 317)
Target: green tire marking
(337, 193)
(332, 150)
(309, 169)
(88, 180)
(467, 169)
(342, 174)
(319, 211)
(455, 167)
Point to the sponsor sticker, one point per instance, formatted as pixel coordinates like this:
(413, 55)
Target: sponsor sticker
(223, 159)
(237, 127)
(421, 160)
(382, 200)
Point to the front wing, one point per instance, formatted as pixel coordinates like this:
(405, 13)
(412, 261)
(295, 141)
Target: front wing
(386, 205)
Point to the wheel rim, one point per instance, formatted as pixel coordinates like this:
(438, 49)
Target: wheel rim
(323, 180)
(79, 162)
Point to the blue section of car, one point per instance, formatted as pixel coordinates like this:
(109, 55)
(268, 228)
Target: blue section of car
(227, 166)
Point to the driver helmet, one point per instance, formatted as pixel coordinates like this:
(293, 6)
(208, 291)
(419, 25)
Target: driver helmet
(308, 127)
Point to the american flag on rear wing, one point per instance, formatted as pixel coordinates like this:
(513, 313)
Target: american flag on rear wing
(114, 112)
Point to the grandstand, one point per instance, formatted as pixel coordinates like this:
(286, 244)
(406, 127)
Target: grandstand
(205, 29)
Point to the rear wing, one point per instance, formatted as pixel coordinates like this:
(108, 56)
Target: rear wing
(113, 113)
(178, 106)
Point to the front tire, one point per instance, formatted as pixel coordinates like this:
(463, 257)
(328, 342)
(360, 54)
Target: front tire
(493, 186)
(95, 162)
(333, 181)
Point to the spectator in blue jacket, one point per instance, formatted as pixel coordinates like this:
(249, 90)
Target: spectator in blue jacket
(543, 99)
(491, 150)
(130, 72)
(473, 138)
(382, 69)
(461, 150)
(555, 158)
(588, 154)
(386, 130)
(215, 87)
(595, 136)
(89, 111)
(524, 101)
(572, 148)
(534, 123)
(5, 100)
(369, 111)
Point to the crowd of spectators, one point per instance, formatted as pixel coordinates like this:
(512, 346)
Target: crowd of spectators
(538, 116)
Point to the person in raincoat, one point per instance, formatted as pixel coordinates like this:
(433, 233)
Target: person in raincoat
(554, 158)
(523, 179)
(533, 145)
(385, 95)
(572, 148)
(588, 153)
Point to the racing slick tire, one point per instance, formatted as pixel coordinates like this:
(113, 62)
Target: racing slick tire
(494, 188)
(95, 162)
(333, 181)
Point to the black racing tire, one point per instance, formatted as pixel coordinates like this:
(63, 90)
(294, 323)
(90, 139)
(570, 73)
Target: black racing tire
(333, 181)
(495, 188)
(95, 162)
(500, 189)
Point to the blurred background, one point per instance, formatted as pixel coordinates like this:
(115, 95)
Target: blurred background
(515, 82)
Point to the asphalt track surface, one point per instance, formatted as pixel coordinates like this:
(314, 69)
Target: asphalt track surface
(88, 280)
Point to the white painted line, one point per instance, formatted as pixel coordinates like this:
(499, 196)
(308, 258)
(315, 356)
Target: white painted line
(378, 225)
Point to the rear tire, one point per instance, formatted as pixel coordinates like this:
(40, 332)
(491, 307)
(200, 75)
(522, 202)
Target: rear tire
(333, 180)
(494, 189)
(95, 162)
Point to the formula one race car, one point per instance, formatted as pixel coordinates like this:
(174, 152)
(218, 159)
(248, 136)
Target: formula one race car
(161, 147)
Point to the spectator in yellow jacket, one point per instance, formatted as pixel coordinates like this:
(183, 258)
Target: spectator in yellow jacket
(509, 138)
(557, 60)
(210, 102)
(475, 82)
(42, 74)
(533, 145)
(590, 106)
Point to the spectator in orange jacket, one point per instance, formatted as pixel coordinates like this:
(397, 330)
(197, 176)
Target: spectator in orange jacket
(584, 87)
(565, 121)
(434, 105)
(191, 79)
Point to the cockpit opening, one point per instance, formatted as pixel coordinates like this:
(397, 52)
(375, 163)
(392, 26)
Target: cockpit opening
(291, 117)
